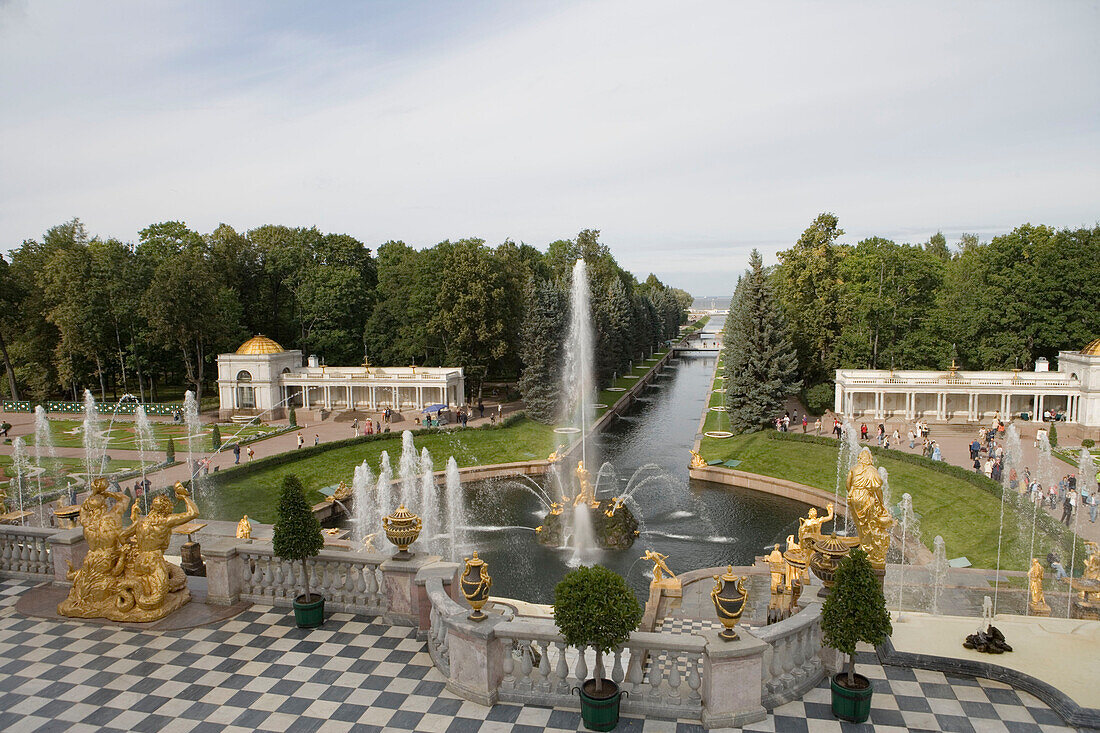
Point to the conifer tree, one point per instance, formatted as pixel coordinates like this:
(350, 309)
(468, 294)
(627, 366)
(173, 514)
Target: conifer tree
(297, 534)
(761, 367)
(544, 327)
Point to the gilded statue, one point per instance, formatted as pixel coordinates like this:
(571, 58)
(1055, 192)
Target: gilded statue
(368, 542)
(777, 565)
(244, 528)
(1092, 562)
(586, 495)
(124, 576)
(697, 460)
(556, 455)
(1037, 605)
(95, 584)
(810, 525)
(865, 504)
(659, 565)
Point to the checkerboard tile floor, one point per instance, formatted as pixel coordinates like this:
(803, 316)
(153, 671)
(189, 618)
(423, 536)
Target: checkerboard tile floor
(258, 672)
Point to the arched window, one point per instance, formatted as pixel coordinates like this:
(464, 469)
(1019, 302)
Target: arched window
(1073, 376)
(246, 395)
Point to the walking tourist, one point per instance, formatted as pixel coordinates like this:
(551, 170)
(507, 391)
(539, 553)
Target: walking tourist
(355, 426)
(912, 439)
(480, 408)
(1092, 502)
(316, 439)
(863, 431)
(936, 455)
(236, 453)
(1069, 505)
(301, 440)
(251, 453)
(817, 426)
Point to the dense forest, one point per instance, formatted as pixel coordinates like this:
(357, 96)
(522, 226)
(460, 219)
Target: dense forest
(79, 311)
(879, 304)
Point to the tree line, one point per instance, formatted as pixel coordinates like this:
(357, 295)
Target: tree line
(880, 304)
(80, 311)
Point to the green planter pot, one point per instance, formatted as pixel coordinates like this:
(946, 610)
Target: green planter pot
(600, 713)
(853, 706)
(309, 613)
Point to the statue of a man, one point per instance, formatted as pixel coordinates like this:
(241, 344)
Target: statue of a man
(865, 503)
(144, 593)
(95, 583)
(659, 565)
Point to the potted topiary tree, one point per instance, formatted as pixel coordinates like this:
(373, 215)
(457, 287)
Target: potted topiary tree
(215, 439)
(593, 607)
(298, 538)
(854, 612)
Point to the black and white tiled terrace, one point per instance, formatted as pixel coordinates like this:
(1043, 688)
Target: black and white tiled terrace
(258, 672)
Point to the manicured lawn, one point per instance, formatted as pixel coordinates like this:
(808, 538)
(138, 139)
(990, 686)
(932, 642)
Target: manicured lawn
(65, 465)
(256, 493)
(964, 515)
(609, 398)
(122, 433)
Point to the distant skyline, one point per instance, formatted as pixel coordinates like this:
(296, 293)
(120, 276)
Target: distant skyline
(687, 133)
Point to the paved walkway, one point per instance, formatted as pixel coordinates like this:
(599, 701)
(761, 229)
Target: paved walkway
(258, 672)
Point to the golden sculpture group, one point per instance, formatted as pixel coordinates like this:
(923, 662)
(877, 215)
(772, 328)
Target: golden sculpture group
(124, 576)
(822, 552)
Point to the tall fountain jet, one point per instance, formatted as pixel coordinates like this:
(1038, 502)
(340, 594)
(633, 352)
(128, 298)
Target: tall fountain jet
(578, 375)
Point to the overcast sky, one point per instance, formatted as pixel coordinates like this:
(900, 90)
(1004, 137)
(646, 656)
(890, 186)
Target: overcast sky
(688, 132)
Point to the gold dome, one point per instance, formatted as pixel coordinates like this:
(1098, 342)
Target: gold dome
(260, 345)
(1093, 349)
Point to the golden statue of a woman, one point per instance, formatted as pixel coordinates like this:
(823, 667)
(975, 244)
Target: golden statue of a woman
(1037, 605)
(865, 504)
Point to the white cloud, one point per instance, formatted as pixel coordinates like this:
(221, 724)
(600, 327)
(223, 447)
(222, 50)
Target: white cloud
(686, 132)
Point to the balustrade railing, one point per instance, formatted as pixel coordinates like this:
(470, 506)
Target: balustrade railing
(349, 581)
(792, 663)
(25, 552)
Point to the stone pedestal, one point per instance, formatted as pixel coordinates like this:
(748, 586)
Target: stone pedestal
(400, 591)
(67, 546)
(732, 671)
(476, 655)
(223, 568)
(191, 559)
(448, 573)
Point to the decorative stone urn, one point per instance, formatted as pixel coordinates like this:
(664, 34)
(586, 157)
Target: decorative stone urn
(475, 583)
(827, 554)
(729, 597)
(402, 528)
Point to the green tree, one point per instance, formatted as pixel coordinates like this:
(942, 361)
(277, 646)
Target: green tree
(594, 607)
(855, 611)
(544, 328)
(10, 297)
(760, 364)
(297, 533)
(215, 438)
(810, 289)
(170, 451)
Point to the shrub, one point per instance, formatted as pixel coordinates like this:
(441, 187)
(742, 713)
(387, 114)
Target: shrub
(215, 439)
(593, 606)
(819, 398)
(1053, 436)
(297, 534)
(170, 450)
(292, 417)
(856, 610)
(1088, 443)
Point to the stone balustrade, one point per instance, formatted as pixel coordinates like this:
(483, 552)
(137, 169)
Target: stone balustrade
(792, 662)
(685, 676)
(25, 552)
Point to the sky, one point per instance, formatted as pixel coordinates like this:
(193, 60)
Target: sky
(688, 132)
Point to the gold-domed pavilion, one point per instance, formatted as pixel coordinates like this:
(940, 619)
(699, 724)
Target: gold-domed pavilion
(1092, 349)
(260, 344)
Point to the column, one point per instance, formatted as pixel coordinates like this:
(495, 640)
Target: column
(370, 397)
(838, 399)
(419, 398)
(1039, 408)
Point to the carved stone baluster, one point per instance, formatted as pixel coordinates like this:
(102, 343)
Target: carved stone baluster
(617, 667)
(800, 645)
(561, 671)
(656, 676)
(24, 556)
(634, 670)
(582, 666)
(508, 681)
(674, 678)
(788, 661)
(775, 668)
(277, 579)
(544, 668)
(525, 666)
(361, 597)
(694, 681)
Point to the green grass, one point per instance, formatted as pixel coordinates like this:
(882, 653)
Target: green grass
(66, 465)
(966, 516)
(609, 398)
(69, 434)
(256, 492)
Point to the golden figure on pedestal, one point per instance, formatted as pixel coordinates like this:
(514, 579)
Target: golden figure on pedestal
(865, 505)
(244, 528)
(586, 495)
(660, 567)
(1036, 603)
(556, 455)
(697, 460)
(124, 576)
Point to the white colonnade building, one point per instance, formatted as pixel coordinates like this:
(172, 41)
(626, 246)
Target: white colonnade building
(1072, 390)
(262, 377)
